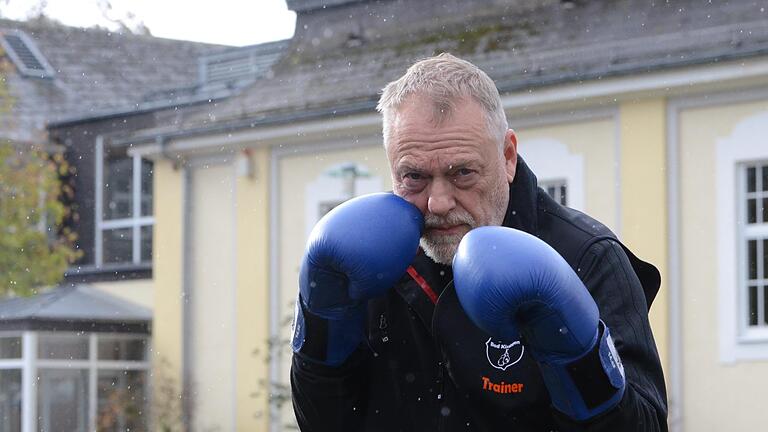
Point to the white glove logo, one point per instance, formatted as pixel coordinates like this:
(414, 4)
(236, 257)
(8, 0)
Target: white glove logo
(502, 355)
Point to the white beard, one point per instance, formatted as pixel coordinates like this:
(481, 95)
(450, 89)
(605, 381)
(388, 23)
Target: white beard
(442, 248)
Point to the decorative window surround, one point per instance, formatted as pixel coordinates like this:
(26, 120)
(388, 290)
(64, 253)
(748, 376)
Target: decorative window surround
(747, 145)
(336, 185)
(553, 162)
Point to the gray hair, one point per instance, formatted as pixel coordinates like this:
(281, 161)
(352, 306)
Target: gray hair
(444, 80)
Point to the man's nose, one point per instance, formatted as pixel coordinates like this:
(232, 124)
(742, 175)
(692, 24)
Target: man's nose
(441, 200)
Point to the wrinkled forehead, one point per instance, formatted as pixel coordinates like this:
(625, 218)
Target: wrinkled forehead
(432, 109)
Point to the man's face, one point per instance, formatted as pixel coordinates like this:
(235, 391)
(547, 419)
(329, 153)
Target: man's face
(453, 172)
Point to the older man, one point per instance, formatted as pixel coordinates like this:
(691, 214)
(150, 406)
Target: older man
(515, 313)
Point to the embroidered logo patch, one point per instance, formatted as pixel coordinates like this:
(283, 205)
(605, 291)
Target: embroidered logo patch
(502, 355)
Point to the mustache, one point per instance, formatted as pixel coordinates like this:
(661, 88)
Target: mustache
(455, 218)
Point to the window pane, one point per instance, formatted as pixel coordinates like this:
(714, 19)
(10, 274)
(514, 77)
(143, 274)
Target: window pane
(764, 210)
(10, 347)
(752, 259)
(146, 243)
(62, 400)
(118, 190)
(122, 401)
(146, 187)
(10, 400)
(63, 347)
(751, 211)
(753, 305)
(751, 179)
(122, 348)
(765, 305)
(765, 178)
(765, 258)
(563, 200)
(118, 245)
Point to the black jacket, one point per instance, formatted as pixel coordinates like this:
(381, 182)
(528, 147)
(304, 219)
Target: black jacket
(428, 368)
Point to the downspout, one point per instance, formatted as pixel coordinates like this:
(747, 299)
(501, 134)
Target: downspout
(187, 395)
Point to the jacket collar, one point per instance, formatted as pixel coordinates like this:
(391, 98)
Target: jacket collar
(521, 210)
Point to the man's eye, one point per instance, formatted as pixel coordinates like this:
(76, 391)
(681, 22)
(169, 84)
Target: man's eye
(414, 176)
(464, 172)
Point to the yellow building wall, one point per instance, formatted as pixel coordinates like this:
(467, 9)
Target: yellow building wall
(252, 292)
(140, 292)
(644, 199)
(717, 396)
(595, 140)
(211, 301)
(167, 261)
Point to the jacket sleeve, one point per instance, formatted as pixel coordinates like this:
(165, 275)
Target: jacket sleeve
(610, 278)
(329, 398)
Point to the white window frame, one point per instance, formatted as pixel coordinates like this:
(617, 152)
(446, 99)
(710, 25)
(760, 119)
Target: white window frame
(136, 222)
(745, 146)
(758, 232)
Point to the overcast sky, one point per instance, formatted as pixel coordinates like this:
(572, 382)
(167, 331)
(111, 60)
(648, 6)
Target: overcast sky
(228, 22)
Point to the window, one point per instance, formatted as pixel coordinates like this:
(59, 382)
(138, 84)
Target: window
(11, 365)
(10, 399)
(10, 347)
(77, 382)
(754, 238)
(742, 240)
(123, 208)
(557, 189)
(23, 52)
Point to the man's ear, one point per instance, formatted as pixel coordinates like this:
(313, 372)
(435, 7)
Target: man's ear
(510, 154)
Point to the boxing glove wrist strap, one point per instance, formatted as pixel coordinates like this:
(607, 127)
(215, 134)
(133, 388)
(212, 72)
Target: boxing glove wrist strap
(590, 385)
(327, 341)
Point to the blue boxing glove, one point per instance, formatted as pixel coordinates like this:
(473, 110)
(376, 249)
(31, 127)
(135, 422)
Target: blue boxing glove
(356, 252)
(512, 284)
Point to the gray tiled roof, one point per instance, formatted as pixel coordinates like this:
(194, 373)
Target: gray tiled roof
(94, 70)
(342, 56)
(72, 304)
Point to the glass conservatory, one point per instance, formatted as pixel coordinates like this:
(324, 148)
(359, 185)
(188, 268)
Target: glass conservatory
(73, 359)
